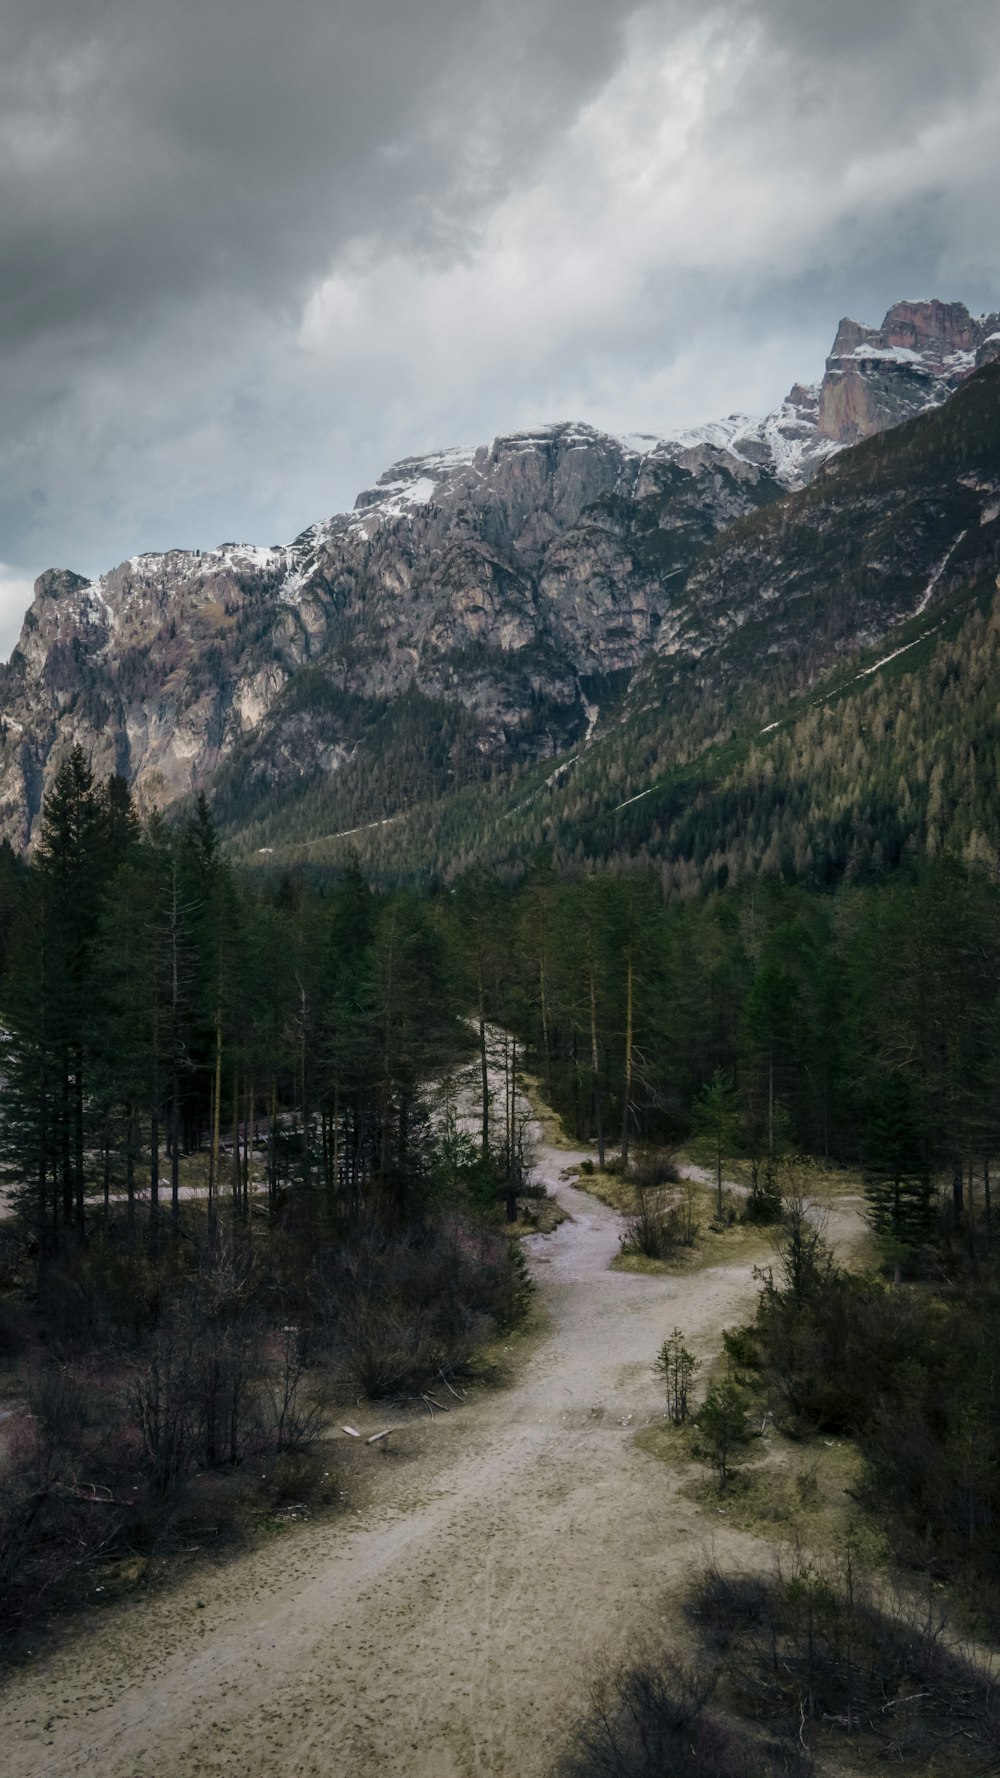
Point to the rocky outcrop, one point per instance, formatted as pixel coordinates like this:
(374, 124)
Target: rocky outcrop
(877, 377)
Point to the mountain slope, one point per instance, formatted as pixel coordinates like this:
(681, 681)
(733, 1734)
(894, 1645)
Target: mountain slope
(479, 611)
(882, 574)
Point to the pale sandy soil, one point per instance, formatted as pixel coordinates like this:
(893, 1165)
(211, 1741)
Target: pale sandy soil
(446, 1630)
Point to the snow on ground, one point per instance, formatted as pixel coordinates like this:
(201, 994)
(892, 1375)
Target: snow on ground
(928, 592)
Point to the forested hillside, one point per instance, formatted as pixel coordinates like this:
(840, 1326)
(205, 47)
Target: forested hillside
(760, 736)
(156, 1004)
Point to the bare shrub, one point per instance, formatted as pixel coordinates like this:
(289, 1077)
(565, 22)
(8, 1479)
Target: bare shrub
(62, 1506)
(401, 1306)
(765, 1199)
(654, 1166)
(296, 1419)
(816, 1645)
(659, 1223)
(648, 1719)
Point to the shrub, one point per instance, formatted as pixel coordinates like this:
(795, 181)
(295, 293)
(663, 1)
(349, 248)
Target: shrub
(654, 1166)
(658, 1225)
(400, 1307)
(764, 1203)
(818, 1646)
(648, 1718)
(723, 1427)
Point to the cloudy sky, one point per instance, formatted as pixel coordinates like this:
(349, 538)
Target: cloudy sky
(253, 253)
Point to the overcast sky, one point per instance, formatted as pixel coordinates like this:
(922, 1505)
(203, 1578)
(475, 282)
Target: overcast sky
(253, 253)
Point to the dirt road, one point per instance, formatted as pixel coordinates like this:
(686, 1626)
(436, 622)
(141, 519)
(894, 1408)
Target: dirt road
(447, 1629)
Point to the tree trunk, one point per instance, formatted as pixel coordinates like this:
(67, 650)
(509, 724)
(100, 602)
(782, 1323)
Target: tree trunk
(131, 1147)
(237, 1182)
(306, 1170)
(958, 1190)
(175, 1076)
(335, 1144)
(770, 1099)
(512, 1157)
(175, 1146)
(78, 1141)
(484, 1073)
(627, 1084)
(42, 1206)
(272, 1152)
(154, 1169)
(247, 1141)
(545, 1026)
(65, 1145)
(214, 1178)
(595, 1069)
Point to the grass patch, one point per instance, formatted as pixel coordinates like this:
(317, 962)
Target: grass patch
(738, 1245)
(610, 1188)
(536, 1216)
(552, 1132)
(668, 1443)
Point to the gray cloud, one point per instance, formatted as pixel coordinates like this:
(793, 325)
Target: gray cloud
(251, 254)
(156, 150)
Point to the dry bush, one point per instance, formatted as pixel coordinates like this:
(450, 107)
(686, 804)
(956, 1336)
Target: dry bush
(648, 1718)
(63, 1504)
(814, 1647)
(401, 1306)
(660, 1223)
(654, 1166)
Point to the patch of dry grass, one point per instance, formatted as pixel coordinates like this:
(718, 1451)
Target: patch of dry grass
(536, 1216)
(801, 1493)
(611, 1188)
(550, 1124)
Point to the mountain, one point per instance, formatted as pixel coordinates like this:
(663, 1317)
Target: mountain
(824, 698)
(877, 377)
(478, 610)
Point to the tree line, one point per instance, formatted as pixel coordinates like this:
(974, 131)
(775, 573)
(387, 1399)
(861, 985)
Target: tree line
(157, 1005)
(861, 1026)
(153, 1008)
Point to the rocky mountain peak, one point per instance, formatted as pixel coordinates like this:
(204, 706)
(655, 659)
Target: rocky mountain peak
(877, 377)
(56, 583)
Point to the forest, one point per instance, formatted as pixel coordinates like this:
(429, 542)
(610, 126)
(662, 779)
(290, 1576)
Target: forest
(224, 1174)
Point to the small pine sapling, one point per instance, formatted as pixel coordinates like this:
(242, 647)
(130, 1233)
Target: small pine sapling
(676, 1365)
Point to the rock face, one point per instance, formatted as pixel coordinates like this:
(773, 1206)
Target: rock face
(878, 377)
(504, 583)
(474, 609)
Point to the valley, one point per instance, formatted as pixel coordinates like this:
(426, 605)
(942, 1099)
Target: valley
(447, 1625)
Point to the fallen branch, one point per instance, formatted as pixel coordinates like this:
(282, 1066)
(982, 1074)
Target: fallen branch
(438, 1404)
(94, 1493)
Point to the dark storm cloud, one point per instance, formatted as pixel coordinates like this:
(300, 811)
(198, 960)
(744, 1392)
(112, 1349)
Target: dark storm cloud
(153, 151)
(250, 254)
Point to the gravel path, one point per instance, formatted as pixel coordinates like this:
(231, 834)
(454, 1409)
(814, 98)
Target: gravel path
(449, 1626)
